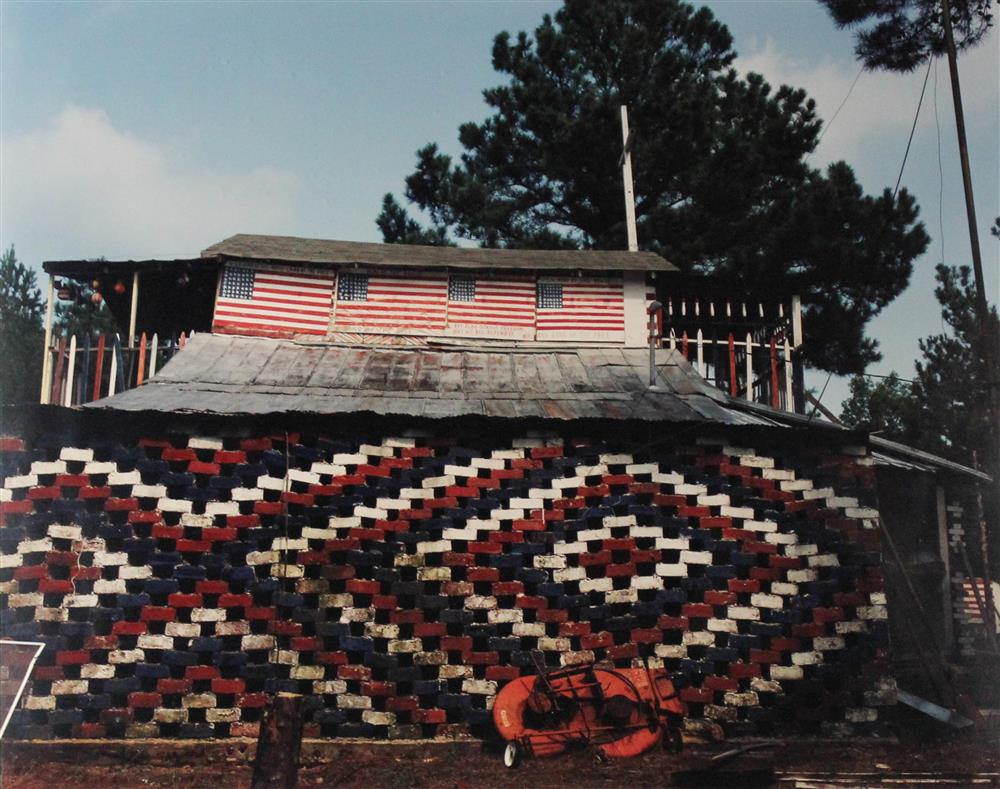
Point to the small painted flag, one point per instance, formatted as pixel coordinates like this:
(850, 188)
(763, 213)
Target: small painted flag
(274, 301)
(491, 302)
(383, 301)
(588, 305)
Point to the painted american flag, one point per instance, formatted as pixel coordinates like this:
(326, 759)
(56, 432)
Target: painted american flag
(970, 606)
(581, 305)
(387, 301)
(491, 302)
(274, 301)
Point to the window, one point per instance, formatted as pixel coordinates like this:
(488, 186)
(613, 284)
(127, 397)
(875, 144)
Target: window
(352, 287)
(237, 283)
(549, 296)
(461, 289)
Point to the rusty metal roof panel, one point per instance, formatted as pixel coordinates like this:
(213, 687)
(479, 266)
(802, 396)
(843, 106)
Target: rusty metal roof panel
(322, 251)
(221, 374)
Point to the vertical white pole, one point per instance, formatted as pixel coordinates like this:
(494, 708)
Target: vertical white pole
(796, 321)
(633, 240)
(70, 369)
(152, 356)
(113, 372)
(749, 361)
(47, 357)
(789, 394)
(134, 309)
(701, 355)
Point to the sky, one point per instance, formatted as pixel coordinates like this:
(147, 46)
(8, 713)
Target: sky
(154, 129)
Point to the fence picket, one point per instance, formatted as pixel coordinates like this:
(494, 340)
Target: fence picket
(154, 347)
(141, 371)
(70, 370)
(775, 392)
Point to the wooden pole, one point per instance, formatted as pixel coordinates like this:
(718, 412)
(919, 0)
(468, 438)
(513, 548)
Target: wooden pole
(276, 763)
(626, 162)
(70, 370)
(44, 397)
(56, 394)
(134, 310)
(142, 360)
(775, 394)
(98, 369)
(152, 355)
(732, 365)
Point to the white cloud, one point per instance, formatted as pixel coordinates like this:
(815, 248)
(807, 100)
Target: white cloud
(80, 187)
(881, 106)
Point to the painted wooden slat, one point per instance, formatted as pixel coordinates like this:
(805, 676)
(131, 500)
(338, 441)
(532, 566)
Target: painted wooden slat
(775, 392)
(684, 345)
(113, 370)
(70, 370)
(141, 371)
(749, 363)
(789, 395)
(153, 349)
(181, 341)
(83, 380)
(56, 393)
(98, 369)
(732, 364)
(701, 353)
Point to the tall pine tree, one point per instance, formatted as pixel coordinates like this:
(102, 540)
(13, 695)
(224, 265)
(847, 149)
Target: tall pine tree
(21, 311)
(722, 182)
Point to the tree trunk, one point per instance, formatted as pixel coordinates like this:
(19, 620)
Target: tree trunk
(276, 764)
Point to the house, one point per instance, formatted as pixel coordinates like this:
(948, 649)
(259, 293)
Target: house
(382, 476)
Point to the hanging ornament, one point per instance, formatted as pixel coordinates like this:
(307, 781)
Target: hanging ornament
(119, 287)
(95, 284)
(96, 298)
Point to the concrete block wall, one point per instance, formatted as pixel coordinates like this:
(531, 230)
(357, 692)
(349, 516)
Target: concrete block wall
(399, 582)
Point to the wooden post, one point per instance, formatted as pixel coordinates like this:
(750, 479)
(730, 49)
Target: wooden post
(626, 162)
(133, 311)
(98, 369)
(749, 394)
(44, 398)
(113, 370)
(732, 365)
(775, 393)
(142, 360)
(81, 395)
(701, 353)
(789, 391)
(276, 763)
(152, 355)
(70, 369)
(796, 321)
(55, 396)
(945, 553)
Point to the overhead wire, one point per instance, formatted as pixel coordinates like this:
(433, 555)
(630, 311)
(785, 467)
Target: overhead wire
(913, 128)
(829, 123)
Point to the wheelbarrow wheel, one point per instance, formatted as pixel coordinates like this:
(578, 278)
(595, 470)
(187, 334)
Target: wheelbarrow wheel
(512, 755)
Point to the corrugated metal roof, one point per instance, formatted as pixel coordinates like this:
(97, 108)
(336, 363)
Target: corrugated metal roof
(221, 374)
(314, 250)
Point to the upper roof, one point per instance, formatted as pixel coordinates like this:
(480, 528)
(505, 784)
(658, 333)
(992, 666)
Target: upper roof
(314, 250)
(229, 375)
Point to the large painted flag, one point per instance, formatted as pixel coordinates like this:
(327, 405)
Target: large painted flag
(586, 305)
(377, 301)
(491, 302)
(274, 301)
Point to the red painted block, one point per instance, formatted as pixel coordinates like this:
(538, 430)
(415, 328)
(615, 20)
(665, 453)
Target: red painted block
(173, 454)
(742, 670)
(31, 572)
(481, 658)
(596, 558)
(808, 630)
(172, 687)
(124, 628)
(551, 615)
(731, 470)
(360, 586)
(456, 588)
(764, 574)
(345, 544)
(644, 488)
(503, 537)
(593, 491)
(617, 479)
(691, 511)
(446, 503)
(227, 457)
(101, 642)
(531, 601)
(384, 602)
(645, 557)
(16, 507)
(716, 522)
(410, 616)
(649, 635)
(720, 683)
(429, 716)
(665, 622)
(575, 503)
(281, 627)
(52, 586)
(529, 524)
(350, 672)
(697, 611)
(198, 467)
(61, 558)
(11, 444)
(214, 534)
(144, 700)
(378, 689)
(415, 515)
(85, 573)
(181, 600)
(267, 507)
(429, 629)
(228, 686)
(235, 601)
(785, 644)
(212, 587)
(461, 491)
(485, 548)
(456, 643)
(824, 615)
(452, 559)
(194, 546)
(303, 499)
(260, 612)
(44, 493)
(72, 480)
(163, 532)
(738, 534)
(402, 704)
(523, 464)
(306, 644)
(73, 657)
(504, 588)
(48, 673)
(620, 544)
(368, 470)
(477, 574)
(784, 562)
(417, 452)
(115, 717)
(331, 658)
(693, 695)
(201, 672)
(325, 490)
(623, 652)
(252, 700)
(502, 673)
(760, 547)
(538, 453)
(349, 479)
(619, 570)
(570, 629)
(90, 493)
(716, 597)
(366, 534)
(741, 586)
(669, 500)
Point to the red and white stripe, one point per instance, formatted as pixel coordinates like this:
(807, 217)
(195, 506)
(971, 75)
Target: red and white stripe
(281, 302)
(587, 306)
(497, 303)
(412, 301)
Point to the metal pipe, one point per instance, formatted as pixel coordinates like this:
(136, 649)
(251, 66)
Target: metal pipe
(655, 332)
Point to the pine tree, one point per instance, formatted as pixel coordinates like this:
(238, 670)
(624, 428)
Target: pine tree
(886, 407)
(722, 182)
(21, 311)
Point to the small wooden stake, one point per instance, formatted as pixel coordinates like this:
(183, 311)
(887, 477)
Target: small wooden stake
(98, 369)
(142, 360)
(276, 763)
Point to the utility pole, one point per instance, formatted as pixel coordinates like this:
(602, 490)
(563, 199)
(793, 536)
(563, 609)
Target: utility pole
(990, 350)
(626, 164)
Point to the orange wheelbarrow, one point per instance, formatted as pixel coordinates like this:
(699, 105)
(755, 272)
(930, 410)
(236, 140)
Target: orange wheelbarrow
(620, 712)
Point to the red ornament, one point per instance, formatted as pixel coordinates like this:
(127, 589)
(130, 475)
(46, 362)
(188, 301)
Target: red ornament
(119, 287)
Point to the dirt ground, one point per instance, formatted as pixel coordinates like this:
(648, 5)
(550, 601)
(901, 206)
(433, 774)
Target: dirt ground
(963, 760)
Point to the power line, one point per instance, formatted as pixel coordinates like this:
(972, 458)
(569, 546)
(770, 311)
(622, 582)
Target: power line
(913, 128)
(826, 128)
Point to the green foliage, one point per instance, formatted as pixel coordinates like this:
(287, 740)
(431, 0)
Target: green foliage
(899, 35)
(398, 228)
(21, 338)
(722, 183)
(73, 318)
(884, 406)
